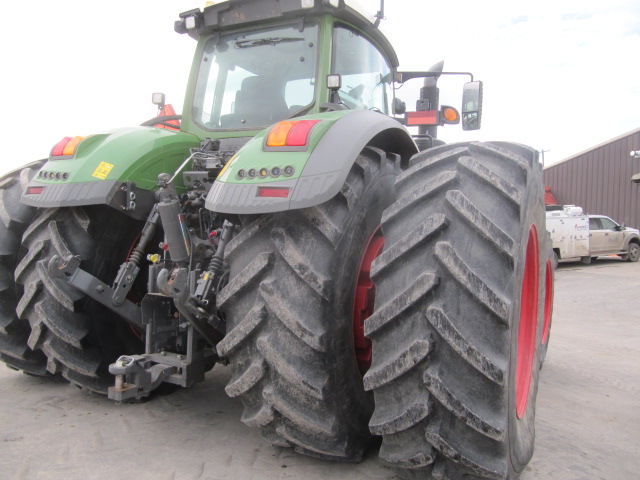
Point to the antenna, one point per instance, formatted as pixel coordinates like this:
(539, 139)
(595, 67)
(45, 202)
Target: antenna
(379, 14)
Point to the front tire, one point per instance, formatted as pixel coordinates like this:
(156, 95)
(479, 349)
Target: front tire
(457, 326)
(289, 305)
(633, 252)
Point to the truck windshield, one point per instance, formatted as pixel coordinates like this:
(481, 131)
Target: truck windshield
(254, 79)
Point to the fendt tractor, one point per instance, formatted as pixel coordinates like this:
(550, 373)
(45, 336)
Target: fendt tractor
(366, 285)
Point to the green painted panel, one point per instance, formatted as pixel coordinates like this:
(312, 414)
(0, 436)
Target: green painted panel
(135, 154)
(254, 155)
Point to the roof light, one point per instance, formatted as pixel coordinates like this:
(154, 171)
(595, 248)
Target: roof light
(307, 3)
(334, 81)
(273, 192)
(290, 133)
(190, 22)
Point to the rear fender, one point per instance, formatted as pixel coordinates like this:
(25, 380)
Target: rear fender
(105, 167)
(319, 169)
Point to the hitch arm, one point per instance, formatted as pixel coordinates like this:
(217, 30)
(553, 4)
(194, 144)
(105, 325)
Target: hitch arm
(68, 269)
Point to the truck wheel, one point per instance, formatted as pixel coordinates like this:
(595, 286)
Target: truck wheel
(289, 308)
(15, 218)
(634, 252)
(457, 325)
(78, 335)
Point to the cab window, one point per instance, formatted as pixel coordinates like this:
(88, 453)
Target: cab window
(608, 224)
(255, 78)
(365, 72)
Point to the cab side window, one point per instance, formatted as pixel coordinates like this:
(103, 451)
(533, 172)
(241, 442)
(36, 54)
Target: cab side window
(608, 224)
(594, 224)
(365, 72)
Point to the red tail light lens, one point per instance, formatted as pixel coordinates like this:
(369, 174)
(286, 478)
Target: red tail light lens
(273, 192)
(58, 148)
(291, 133)
(34, 190)
(66, 147)
(428, 117)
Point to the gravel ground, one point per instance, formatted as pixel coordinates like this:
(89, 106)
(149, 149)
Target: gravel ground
(588, 426)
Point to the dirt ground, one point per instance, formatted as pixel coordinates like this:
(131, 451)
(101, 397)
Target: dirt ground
(588, 425)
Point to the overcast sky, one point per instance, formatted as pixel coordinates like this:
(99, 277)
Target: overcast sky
(559, 75)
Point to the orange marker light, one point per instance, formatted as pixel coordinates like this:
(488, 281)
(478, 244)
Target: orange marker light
(278, 135)
(66, 147)
(450, 114)
(70, 147)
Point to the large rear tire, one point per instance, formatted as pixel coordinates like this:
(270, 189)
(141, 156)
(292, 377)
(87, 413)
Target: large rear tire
(14, 219)
(459, 313)
(79, 337)
(289, 309)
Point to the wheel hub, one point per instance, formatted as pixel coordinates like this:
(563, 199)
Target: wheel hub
(528, 323)
(364, 300)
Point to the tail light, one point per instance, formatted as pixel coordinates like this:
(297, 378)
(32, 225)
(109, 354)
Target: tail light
(66, 147)
(291, 133)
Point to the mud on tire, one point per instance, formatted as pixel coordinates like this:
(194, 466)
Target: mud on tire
(78, 336)
(447, 325)
(289, 308)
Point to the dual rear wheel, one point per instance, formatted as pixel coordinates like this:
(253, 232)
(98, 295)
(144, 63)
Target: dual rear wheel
(463, 295)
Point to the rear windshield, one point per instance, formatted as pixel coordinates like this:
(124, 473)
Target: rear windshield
(254, 79)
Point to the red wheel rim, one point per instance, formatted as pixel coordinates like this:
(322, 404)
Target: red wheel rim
(528, 323)
(363, 301)
(548, 302)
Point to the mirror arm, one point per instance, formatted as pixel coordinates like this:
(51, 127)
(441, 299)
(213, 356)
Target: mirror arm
(402, 77)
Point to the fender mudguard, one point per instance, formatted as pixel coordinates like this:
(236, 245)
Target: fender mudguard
(108, 168)
(319, 169)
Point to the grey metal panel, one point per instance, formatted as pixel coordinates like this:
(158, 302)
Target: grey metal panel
(599, 180)
(72, 194)
(325, 170)
(237, 198)
(312, 190)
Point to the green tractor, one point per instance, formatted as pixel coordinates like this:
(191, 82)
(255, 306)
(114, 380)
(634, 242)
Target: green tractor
(362, 282)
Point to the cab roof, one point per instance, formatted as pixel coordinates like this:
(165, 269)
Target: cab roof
(233, 14)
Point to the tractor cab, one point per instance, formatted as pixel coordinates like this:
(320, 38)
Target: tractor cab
(258, 63)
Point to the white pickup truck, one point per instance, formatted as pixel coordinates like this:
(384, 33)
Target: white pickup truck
(585, 237)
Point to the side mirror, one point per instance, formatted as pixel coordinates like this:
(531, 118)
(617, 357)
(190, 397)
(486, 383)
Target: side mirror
(472, 105)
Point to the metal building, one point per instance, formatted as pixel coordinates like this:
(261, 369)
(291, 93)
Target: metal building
(599, 179)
